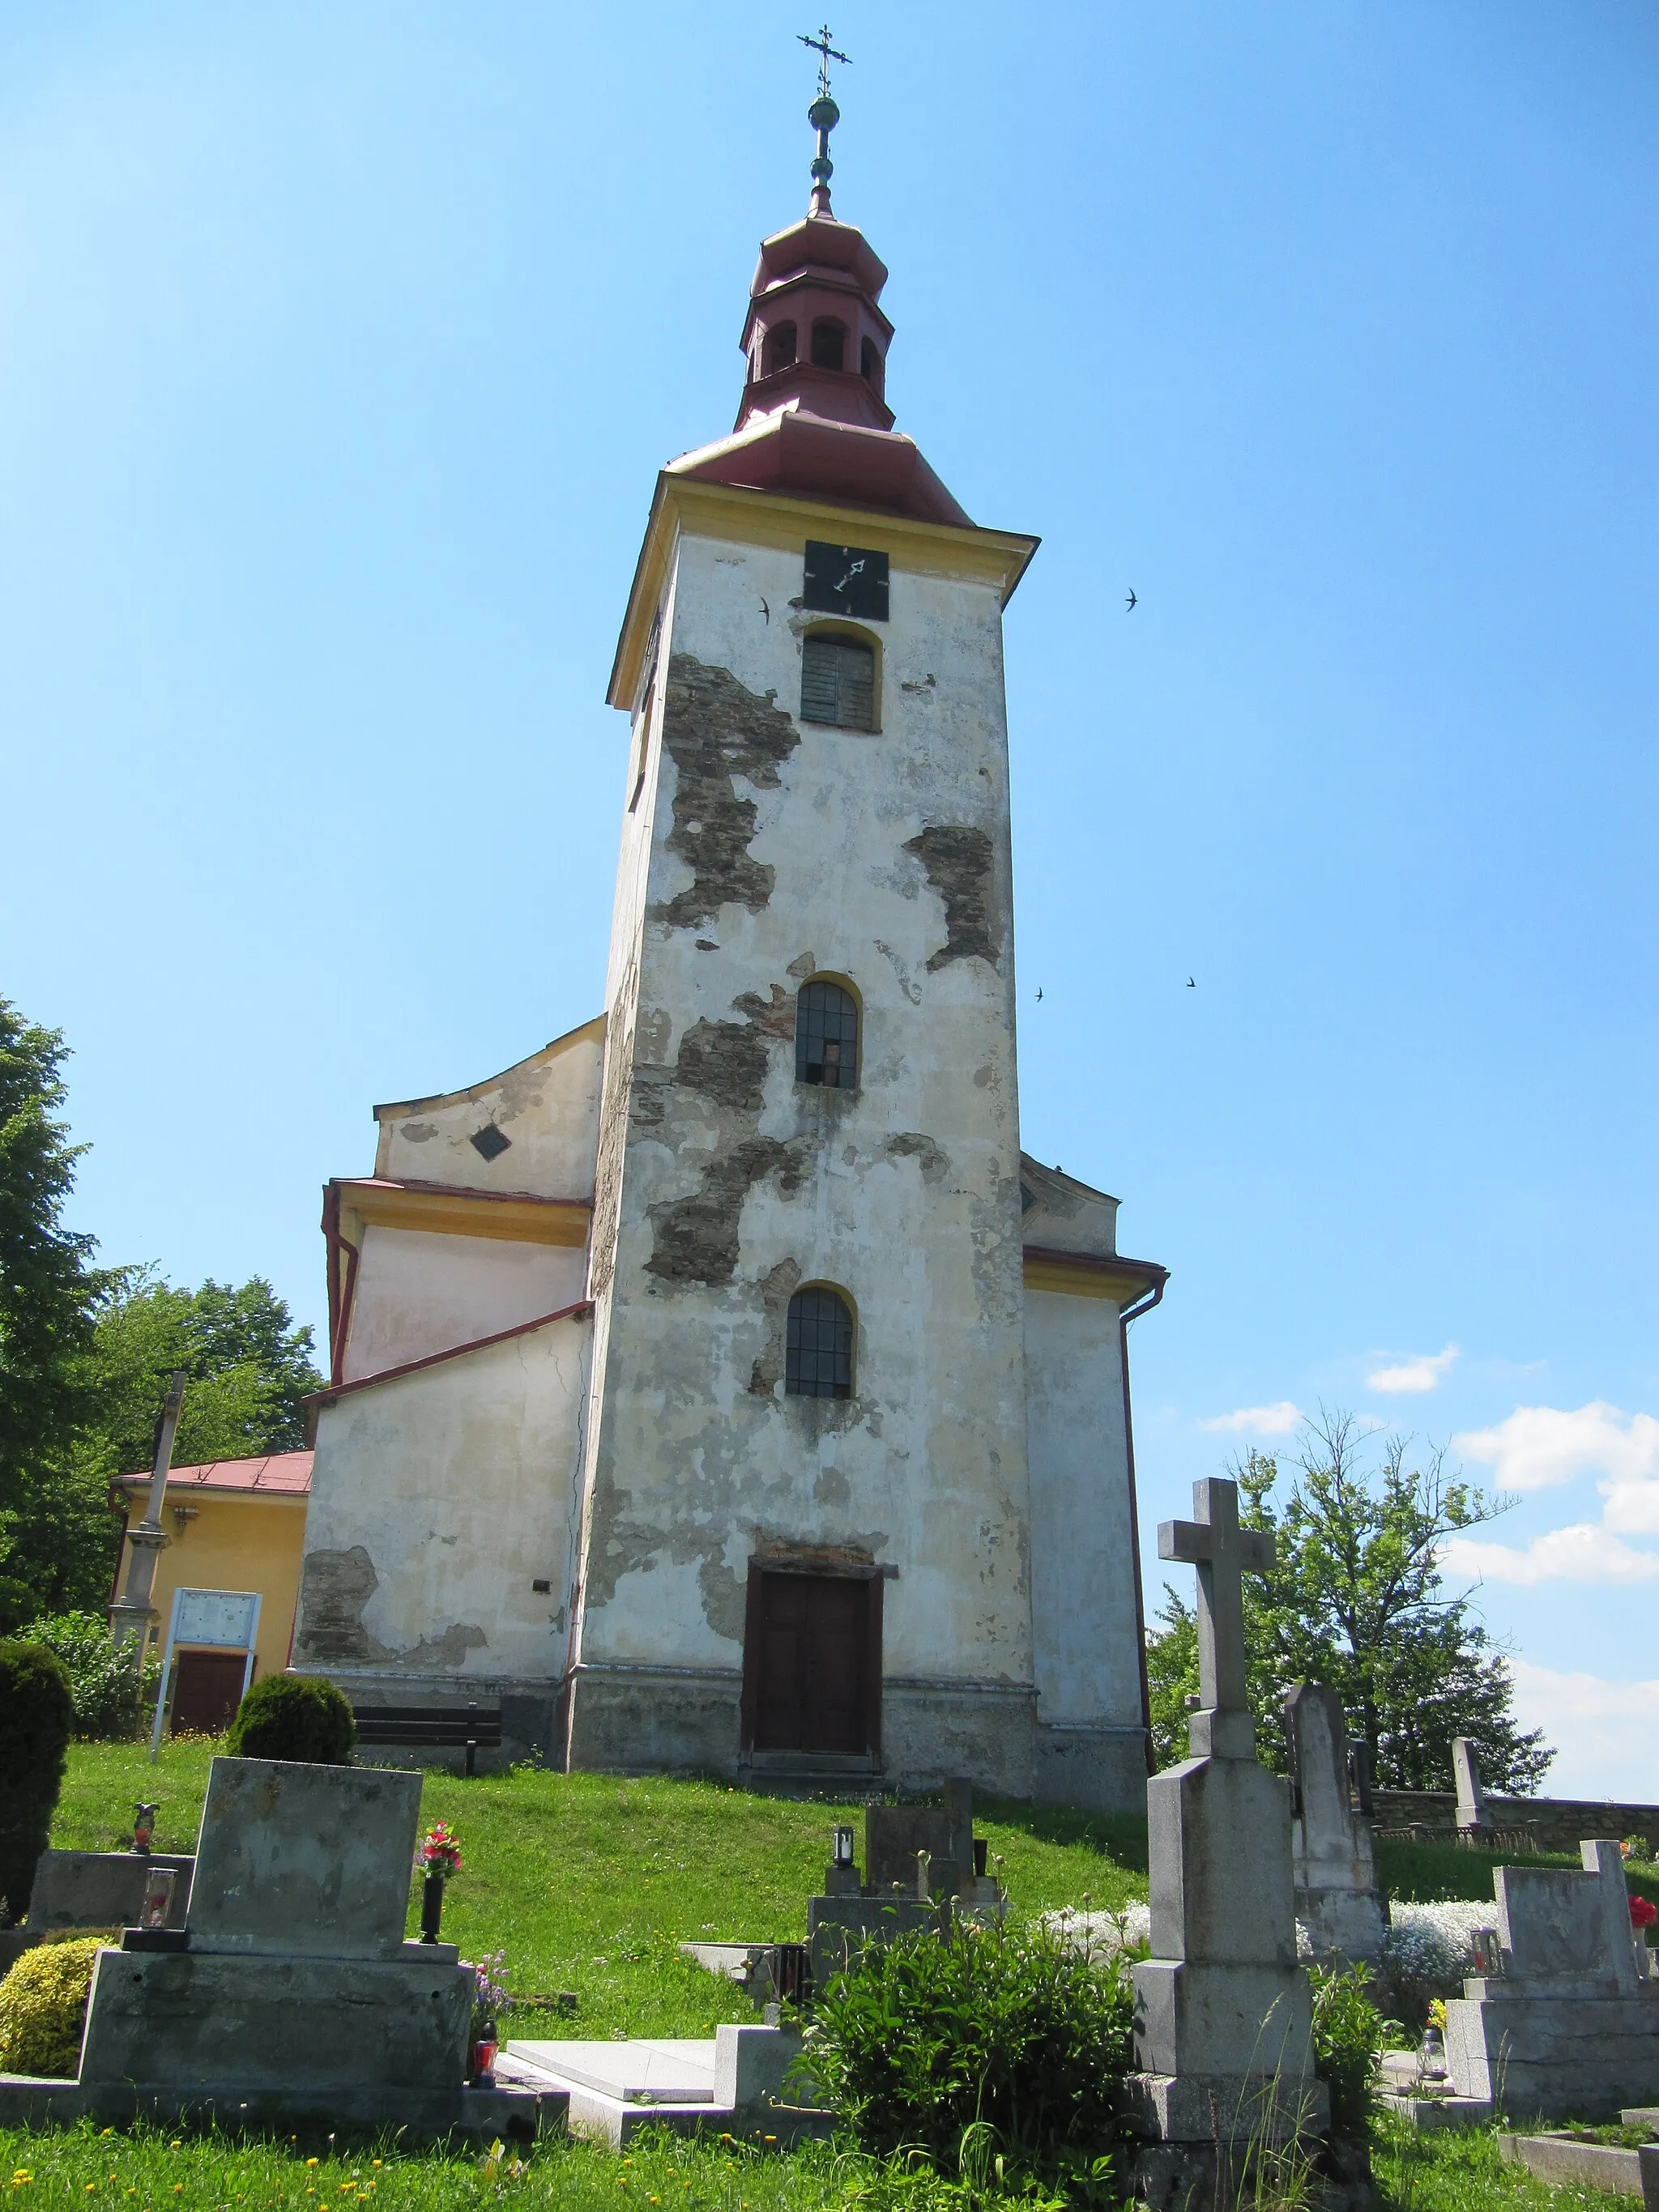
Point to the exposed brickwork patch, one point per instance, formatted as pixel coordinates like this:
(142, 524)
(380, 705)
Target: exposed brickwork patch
(713, 729)
(959, 861)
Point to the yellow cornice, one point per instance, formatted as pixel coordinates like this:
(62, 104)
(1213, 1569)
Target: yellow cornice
(1081, 1275)
(686, 505)
(446, 1213)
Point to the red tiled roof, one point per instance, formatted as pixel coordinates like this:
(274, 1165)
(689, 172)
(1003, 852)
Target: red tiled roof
(279, 1474)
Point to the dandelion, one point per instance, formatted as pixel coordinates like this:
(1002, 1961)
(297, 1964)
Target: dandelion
(20, 2176)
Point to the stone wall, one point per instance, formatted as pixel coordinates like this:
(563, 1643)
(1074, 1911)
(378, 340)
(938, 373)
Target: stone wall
(1560, 1824)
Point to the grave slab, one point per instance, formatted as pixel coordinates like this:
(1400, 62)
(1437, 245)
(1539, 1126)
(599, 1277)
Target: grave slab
(735, 2084)
(1563, 2162)
(1569, 2030)
(193, 2022)
(297, 1859)
(101, 1889)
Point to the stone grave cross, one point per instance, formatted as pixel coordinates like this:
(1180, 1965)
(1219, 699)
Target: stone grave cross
(1222, 1553)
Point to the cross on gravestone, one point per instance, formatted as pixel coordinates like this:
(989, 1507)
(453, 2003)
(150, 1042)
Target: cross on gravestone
(1222, 1551)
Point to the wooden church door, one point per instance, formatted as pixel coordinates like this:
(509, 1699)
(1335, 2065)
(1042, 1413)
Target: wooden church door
(812, 1663)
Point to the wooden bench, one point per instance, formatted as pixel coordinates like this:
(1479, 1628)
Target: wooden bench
(444, 1728)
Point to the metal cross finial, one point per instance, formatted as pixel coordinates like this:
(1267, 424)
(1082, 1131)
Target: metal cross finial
(822, 115)
(826, 54)
(1222, 1551)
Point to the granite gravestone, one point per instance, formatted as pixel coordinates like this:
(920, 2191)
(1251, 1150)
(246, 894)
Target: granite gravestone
(1333, 1869)
(296, 1989)
(1223, 2011)
(1570, 2027)
(1474, 1821)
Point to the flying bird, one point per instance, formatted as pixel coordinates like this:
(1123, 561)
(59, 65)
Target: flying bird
(1039, 990)
(766, 611)
(1191, 986)
(1131, 602)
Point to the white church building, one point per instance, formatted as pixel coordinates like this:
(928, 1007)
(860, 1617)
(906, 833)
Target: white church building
(721, 1389)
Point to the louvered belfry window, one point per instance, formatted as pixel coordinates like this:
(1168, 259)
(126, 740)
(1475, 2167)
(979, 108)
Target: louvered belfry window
(838, 682)
(827, 1036)
(817, 1361)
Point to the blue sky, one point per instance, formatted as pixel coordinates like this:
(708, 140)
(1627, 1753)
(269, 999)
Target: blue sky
(339, 347)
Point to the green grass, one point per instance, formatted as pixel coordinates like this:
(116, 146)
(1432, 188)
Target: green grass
(144, 2169)
(1430, 1872)
(1447, 2171)
(588, 1882)
(148, 2170)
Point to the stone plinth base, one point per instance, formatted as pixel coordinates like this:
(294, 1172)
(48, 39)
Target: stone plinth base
(1554, 2059)
(1099, 1770)
(205, 2025)
(1209, 2108)
(1244, 2020)
(517, 2115)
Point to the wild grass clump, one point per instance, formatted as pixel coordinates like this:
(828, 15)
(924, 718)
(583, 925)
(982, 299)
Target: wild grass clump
(992, 2052)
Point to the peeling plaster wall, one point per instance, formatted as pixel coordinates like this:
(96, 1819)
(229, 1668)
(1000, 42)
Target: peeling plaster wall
(763, 851)
(435, 1501)
(1083, 1592)
(548, 1107)
(419, 1292)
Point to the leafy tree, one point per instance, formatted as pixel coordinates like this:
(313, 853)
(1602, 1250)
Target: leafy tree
(49, 1292)
(248, 1369)
(1356, 1598)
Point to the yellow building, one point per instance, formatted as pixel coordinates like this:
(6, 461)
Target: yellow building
(235, 1524)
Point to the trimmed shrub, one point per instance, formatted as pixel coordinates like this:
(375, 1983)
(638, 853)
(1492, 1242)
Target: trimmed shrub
(1004, 2037)
(37, 1717)
(43, 2007)
(298, 1717)
(112, 1694)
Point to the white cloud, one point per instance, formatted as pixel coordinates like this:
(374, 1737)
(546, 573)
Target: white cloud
(1412, 1377)
(1607, 1734)
(1584, 1553)
(1258, 1420)
(1539, 1445)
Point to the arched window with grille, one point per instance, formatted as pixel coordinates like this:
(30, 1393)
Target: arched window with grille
(818, 1359)
(827, 1036)
(837, 681)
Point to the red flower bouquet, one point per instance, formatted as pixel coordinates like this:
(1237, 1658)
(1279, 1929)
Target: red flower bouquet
(440, 1852)
(1643, 1913)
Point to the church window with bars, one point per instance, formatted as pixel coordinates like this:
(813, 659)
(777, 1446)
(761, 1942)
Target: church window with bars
(827, 1036)
(819, 1345)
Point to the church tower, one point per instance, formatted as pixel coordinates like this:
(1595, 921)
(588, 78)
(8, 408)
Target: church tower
(833, 1437)
(807, 1505)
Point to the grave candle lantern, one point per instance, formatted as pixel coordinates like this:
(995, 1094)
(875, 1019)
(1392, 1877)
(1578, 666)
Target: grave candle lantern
(843, 1847)
(158, 1897)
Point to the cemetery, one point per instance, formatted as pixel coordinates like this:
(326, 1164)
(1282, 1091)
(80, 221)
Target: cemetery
(528, 1974)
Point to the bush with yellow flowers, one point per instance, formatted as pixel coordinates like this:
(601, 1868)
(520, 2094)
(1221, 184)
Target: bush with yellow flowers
(43, 2008)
